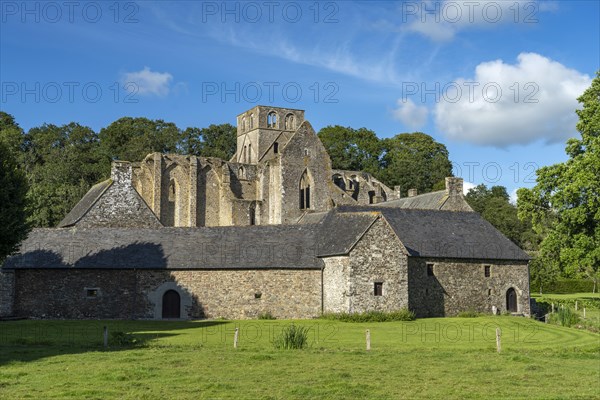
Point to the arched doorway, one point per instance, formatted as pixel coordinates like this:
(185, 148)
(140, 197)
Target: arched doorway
(511, 300)
(171, 304)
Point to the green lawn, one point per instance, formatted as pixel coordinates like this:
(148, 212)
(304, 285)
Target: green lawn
(427, 358)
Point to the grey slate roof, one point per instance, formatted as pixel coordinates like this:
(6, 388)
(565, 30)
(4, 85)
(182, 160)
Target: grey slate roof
(81, 208)
(312, 217)
(426, 201)
(451, 234)
(339, 232)
(275, 246)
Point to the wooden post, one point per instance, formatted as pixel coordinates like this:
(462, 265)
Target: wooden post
(235, 338)
(105, 337)
(552, 308)
(498, 344)
(368, 332)
(575, 305)
(583, 312)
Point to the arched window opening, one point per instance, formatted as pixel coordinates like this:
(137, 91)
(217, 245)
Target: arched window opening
(249, 152)
(241, 173)
(290, 123)
(243, 124)
(275, 147)
(251, 121)
(245, 155)
(371, 196)
(272, 120)
(305, 191)
(339, 181)
(172, 191)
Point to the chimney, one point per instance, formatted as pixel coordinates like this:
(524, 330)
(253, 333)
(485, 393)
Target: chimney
(397, 191)
(412, 192)
(454, 186)
(121, 173)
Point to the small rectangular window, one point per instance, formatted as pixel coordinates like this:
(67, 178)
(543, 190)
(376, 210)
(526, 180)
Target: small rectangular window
(429, 269)
(91, 292)
(275, 147)
(378, 289)
(486, 271)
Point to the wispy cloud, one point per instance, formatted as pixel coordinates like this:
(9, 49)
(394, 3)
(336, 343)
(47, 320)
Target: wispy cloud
(148, 82)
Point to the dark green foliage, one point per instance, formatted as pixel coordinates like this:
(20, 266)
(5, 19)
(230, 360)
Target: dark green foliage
(132, 139)
(564, 205)
(372, 316)
(494, 206)
(352, 149)
(215, 141)
(292, 337)
(591, 303)
(13, 191)
(119, 338)
(565, 316)
(266, 315)
(414, 161)
(566, 286)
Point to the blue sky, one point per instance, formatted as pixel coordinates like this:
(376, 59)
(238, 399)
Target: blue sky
(495, 81)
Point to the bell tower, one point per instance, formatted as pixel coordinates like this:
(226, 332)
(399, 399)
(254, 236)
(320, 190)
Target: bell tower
(259, 128)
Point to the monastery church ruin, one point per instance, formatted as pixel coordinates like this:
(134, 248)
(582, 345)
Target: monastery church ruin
(273, 230)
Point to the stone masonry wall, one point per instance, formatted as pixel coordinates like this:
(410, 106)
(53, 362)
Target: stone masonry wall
(336, 284)
(378, 257)
(7, 286)
(124, 294)
(461, 285)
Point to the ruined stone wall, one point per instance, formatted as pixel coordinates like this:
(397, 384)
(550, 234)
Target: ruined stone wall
(128, 294)
(7, 287)
(304, 152)
(461, 285)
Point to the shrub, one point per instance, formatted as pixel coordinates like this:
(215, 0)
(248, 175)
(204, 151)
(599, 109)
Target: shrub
(292, 337)
(469, 314)
(565, 316)
(372, 316)
(566, 286)
(266, 315)
(123, 339)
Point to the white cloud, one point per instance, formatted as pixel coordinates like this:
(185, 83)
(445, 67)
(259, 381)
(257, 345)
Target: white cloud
(441, 20)
(148, 82)
(467, 186)
(537, 101)
(410, 114)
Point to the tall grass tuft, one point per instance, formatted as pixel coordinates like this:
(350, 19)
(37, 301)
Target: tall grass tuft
(292, 337)
(565, 316)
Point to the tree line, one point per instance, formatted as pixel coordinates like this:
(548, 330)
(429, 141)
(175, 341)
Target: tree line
(47, 170)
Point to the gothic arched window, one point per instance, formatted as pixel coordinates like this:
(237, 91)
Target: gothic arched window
(272, 120)
(290, 122)
(305, 191)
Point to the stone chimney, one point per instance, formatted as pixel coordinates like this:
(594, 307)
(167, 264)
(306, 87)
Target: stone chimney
(397, 191)
(454, 186)
(412, 192)
(121, 173)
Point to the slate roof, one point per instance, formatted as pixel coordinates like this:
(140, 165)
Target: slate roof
(312, 218)
(81, 208)
(255, 247)
(426, 201)
(339, 232)
(451, 234)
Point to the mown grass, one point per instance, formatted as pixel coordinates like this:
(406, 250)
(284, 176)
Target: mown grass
(430, 358)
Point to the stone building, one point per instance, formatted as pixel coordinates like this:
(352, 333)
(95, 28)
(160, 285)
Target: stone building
(274, 229)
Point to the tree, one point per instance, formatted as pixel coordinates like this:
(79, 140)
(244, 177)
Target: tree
(352, 149)
(132, 139)
(215, 141)
(415, 161)
(565, 202)
(13, 191)
(494, 206)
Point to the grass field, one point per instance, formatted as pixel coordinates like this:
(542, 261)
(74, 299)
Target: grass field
(427, 358)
